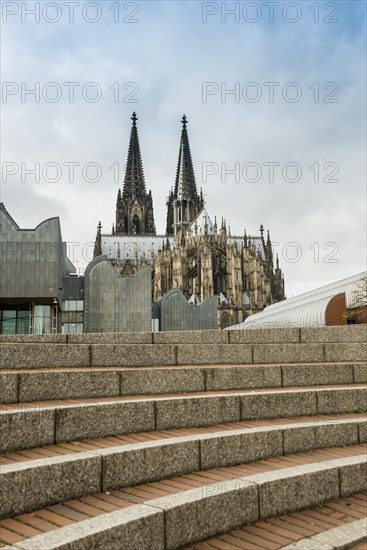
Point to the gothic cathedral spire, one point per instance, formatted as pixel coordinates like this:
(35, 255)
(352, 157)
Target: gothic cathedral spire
(134, 207)
(183, 203)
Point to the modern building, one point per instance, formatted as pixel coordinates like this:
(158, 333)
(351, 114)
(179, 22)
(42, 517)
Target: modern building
(196, 255)
(340, 303)
(33, 265)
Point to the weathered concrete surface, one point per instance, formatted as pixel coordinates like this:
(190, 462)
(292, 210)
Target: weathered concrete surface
(131, 355)
(158, 381)
(191, 337)
(43, 386)
(341, 401)
(300, 439)
(264, 336)
(317, 375)
(231, 449)
(213, 354)
(360, 373)
(48, 481)
(199, 513)
(32, 356)
(353, 477)
(140, 527)
(196, 411)
(24, 429)
(100, 420)
(292, 489)
(238, 378)
(278, 405)
(288, 353)
(8, 387)
(346, 352)
(111, 338)
(337, 334)
(147, 462)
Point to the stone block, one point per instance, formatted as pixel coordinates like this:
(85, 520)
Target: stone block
(308, 544)
(32, 356)
(191, 337)
(360, 373)
(158, 381)
(200, 513)
(345, 352)
(213, 354)
(288, 353)
(55, 384)
(345, 536)
(353, 477)
(362, 428)
(26, 428)
(264, 336)
(48, 481)
(103, 419)
(196, 411)
(341, 400)
(317, 375)
(262, 405)
(296, 488)
(147, 462)
(233, 448)
(130, 355)
(111, 338)
(8, 387)
(33, 338)
(140, 527)
(337, 334)
(305, 438)
(238, 378)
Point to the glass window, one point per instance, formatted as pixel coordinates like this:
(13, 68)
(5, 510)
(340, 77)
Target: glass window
(14, 319)
(72, 328)
(42, 319)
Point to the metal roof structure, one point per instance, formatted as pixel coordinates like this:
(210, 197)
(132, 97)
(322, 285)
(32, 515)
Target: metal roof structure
(305, 310)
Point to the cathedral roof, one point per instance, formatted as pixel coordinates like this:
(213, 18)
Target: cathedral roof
(134, 182)
(185, 185)
(202, 219)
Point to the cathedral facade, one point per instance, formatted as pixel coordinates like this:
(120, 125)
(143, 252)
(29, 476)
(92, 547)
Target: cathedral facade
(196, 254)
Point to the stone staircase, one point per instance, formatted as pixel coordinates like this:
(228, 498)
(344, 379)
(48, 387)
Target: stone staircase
(163, 440)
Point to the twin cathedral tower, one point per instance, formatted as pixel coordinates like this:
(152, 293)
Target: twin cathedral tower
(195, 254)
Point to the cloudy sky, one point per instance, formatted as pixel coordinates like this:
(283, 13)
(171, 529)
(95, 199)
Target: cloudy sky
(260, 82)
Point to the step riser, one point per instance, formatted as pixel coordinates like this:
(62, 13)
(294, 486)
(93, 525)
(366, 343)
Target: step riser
(25, 387)
(30, 356)
(336, 334)
(211, 509)
(81, 474)
(26, 428)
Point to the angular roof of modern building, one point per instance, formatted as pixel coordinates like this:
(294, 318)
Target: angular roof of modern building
(305, 310)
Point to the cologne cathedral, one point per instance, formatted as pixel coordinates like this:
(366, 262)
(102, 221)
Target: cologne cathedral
(196, 255)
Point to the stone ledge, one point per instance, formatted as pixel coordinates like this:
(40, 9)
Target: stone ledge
(131, 355)
(213, 354)
(337, 334)
(139, 526)
(317, 375)
(346, 352)
(31, 356)
(38, 483)
(288, 353)
(264, 336)
(337, 538)
(111, 338)
(191, 337)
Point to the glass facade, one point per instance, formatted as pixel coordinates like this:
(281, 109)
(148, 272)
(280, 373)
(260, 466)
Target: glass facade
(15, 319)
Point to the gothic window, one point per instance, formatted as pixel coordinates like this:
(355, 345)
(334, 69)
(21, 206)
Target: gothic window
(136, 224)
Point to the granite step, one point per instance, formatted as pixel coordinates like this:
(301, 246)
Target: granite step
(45, 476)
(68, 383)
(333, 526)
(17, 356)
(27, 425)
(181, 510)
